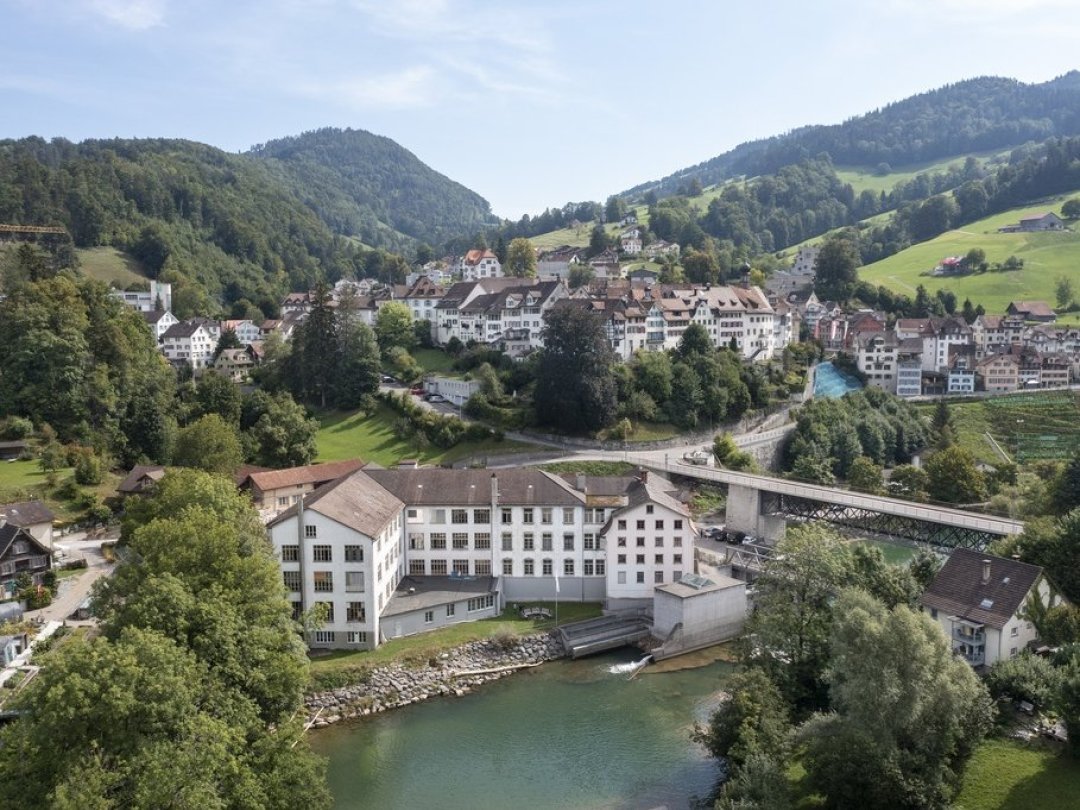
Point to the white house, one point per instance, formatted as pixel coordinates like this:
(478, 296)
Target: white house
(341, 547)
(246, 331)
(979, 599)
(403, 550)
(630, 241)
(159, 321)
(189, 342)
(876, 358)
(650, 542)
(478, 264)
(159, 297)
(557, 263)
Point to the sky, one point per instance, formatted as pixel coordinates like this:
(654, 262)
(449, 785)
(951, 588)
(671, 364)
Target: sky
(529, 103)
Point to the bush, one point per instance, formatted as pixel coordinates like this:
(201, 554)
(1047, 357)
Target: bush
(89, 468)
(1026, 677)
(16, 427)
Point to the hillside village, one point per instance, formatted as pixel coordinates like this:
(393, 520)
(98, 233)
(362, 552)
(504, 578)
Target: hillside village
(303, 435)
(476, 304)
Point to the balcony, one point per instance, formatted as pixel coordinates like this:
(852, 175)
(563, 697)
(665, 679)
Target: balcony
(968, 635)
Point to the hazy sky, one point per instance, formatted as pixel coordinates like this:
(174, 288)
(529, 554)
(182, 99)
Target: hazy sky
(531, 104)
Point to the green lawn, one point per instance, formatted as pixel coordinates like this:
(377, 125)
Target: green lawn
(110, 265)
(421, 647)
(970, 427)
(1047, 256)
(1009, 775)
(352, 435)
(1002, 775)
(23, 480)
(433, 360)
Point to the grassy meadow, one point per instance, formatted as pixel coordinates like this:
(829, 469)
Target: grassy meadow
(110, 265)
(1047, 256)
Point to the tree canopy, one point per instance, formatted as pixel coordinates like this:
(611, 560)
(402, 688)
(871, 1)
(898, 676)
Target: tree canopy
(575, 384)
(187, 698)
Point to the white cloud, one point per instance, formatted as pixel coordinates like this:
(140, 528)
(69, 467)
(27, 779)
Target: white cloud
(135, 15)
(412, 87)
(502, 48)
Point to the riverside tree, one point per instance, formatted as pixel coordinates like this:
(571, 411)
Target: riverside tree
(906, 714)
(188, 697)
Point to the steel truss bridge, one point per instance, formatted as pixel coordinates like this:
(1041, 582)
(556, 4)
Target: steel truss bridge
(900, 526)
(941, 526)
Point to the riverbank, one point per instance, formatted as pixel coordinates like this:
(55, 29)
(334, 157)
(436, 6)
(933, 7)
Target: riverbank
(455, 672)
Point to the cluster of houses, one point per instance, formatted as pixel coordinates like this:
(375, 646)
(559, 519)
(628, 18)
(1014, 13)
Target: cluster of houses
(1021, 350)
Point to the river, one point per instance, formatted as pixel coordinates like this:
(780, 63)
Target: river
(569, 734)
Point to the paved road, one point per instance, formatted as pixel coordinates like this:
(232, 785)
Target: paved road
(74, 589)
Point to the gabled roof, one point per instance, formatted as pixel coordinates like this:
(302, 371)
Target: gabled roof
(1036, 309)
(9, 533)
(474, 257)
(316, 474)
(155, 315)
(354, 500)
(182, 329)
(152, 472)
(959, 590)
(27, 513)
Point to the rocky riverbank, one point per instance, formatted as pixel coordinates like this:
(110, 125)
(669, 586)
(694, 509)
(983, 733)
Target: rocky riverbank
(456, 672)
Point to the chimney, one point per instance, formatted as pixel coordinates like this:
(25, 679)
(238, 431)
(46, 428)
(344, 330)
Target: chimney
(985, 572)
(643, 476)
(579, 482)
(494, 492)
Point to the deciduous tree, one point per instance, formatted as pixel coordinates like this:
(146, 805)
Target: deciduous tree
(521, 258)
(575, 382)
(906, 714)
(209, 444)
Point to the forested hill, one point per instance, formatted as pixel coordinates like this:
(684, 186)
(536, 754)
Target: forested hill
(970, 116)
(351, 177)
(234, 228)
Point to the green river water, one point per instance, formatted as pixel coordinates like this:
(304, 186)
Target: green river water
(569, 734)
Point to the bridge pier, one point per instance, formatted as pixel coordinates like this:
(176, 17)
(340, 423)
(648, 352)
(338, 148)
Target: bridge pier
(743, 514)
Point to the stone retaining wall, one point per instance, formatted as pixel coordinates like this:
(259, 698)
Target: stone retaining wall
(456, 672)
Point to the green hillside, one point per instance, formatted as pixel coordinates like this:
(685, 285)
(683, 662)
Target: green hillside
(1047, 256)
(863, 178)
(110, 265)
(977, 115)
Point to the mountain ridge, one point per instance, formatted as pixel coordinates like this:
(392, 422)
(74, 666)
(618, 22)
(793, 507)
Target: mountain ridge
(983, 113)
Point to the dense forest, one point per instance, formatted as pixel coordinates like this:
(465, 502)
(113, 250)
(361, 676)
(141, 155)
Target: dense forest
(224, 228)
(971, 116)
(369, 186)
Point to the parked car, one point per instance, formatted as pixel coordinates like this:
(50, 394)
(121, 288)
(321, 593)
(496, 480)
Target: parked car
(436, 398)
(386, 378)
(418, 390)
